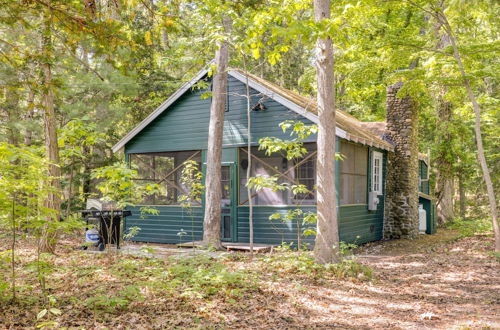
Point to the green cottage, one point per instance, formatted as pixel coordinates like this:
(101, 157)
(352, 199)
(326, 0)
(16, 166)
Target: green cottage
(177, 131)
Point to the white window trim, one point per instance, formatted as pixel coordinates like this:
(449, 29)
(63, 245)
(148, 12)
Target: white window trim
(380, 157)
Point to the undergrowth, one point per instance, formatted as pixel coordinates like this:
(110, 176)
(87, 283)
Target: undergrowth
(192, 277)
(470, 227)
(303, 264)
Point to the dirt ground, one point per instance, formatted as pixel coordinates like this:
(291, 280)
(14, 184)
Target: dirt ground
(434, 282)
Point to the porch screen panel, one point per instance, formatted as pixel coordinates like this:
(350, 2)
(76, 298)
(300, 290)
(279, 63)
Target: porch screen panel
(265, 196)
(289, 172)
(353, 174)
(164, 169)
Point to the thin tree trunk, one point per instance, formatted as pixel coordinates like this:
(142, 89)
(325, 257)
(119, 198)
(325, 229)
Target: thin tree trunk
(461, 190)
(53, 201)
(13, 248)
(12, 111)
(212, 220)
(477, 130)
(28, 132)
(249, 168)
(326, 249)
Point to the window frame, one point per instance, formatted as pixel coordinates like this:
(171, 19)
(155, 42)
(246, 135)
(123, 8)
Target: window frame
(288, 200)
(309, 164)
(377, 155)
(353, 174)
(194, 154)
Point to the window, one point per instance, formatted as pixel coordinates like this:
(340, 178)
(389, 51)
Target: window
(353, 174)
(165, 169)
(423, 177)
(301, 171)
(305, 174)
(377, 172)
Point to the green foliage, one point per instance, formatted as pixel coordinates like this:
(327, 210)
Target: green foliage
(117, 184)
(303, 264)
(469, 228)
(191, 178)
(202, 277)
(22, 197)
(293, 148)
(198, 276)
(132, 232)
(305, 222)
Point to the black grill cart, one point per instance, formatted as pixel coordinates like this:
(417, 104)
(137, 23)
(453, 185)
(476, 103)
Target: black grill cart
(107, 224)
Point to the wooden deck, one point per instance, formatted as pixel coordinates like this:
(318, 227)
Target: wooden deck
(232, 246)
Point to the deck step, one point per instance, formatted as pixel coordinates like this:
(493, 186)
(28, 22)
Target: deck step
(231, 246)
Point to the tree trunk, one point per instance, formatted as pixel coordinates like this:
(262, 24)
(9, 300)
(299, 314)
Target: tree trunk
(28, 132)
(53, 201)
(212, 220)
(326, 248)
(444, 179)
(461, 190)
(477, 131)
(249, 166)
(11, 105)
(444, 204)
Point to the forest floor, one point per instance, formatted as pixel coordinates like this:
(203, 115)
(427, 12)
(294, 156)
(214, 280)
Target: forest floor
(441, 281)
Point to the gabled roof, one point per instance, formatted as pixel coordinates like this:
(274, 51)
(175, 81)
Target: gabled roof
(348, 127)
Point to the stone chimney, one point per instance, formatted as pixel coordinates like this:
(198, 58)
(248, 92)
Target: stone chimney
(401, 205)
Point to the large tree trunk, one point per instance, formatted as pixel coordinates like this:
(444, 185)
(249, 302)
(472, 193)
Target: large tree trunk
(444, 204)
(53, 201)
(443, 164)
(212, 221)
(326, 248)
(477, 131)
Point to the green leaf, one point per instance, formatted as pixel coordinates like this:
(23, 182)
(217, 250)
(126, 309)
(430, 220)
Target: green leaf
(55, 311)
(41, 314)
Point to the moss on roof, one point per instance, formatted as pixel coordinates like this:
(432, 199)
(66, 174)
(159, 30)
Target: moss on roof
(355, 131)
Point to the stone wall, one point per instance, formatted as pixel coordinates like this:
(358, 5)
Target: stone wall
(401, 205)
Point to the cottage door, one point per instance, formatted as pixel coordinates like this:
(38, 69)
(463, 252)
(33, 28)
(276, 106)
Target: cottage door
(228, 204)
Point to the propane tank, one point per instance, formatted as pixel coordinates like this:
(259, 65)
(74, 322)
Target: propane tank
(92, 236)
(422, 219)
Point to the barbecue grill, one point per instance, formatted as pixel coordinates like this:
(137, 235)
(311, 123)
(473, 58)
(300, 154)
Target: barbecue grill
(106, 220)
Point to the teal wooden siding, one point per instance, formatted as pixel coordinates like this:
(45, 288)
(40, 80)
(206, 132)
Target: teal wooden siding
(267, 231)
(164, 227)
(184, 126)
(356, 225)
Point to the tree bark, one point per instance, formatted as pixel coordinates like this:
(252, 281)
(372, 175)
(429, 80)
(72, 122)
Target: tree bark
(477, 131)
(444, 179)
(212, 220)
(249, 166)
(28, 132)
(461, 190)
(326, 248)
(53, 201)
